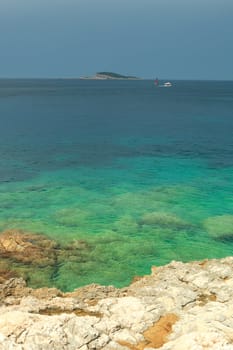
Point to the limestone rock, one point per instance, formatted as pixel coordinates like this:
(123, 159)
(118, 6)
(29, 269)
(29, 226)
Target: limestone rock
(21, 253)
(178, 307)
(27, 247)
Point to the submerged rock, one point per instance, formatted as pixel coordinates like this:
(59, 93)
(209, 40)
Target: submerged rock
(178, 307)
(35, 257)
(163, 219)
(27, 247)
(71, 217)
(220, 227)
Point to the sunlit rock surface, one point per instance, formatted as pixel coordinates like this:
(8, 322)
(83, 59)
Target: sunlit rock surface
(179, 306)
(35, 257)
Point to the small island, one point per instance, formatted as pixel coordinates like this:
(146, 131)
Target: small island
(110, 76)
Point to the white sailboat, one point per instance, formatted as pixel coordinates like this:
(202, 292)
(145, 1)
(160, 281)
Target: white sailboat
(167, 84)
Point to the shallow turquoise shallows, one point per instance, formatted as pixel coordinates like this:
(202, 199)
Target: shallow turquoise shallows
(143, 175)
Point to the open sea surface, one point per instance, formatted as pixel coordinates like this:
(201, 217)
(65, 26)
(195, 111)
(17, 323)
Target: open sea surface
(142, 175)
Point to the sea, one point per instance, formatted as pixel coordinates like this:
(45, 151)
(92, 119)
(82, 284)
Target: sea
(139, 175)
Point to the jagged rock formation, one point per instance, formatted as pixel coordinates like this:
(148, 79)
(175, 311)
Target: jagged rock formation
(178, 307)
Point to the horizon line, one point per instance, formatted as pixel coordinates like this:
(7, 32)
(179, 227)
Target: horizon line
(139, 79)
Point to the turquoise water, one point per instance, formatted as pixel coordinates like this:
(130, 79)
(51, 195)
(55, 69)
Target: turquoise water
(143, 175)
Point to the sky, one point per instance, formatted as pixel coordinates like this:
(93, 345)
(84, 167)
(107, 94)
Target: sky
(173, 39)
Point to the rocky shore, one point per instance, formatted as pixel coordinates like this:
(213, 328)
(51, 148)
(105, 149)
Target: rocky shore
(178, 307)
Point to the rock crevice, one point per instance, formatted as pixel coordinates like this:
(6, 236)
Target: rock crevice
(179, 306)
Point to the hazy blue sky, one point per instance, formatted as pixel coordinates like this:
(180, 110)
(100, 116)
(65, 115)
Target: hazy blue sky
(67, 38)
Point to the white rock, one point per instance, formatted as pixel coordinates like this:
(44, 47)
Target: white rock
(127, 336)
(200, 294)
(199, 341)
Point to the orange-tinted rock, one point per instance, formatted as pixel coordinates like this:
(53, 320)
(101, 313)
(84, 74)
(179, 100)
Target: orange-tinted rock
(156, 335)
(14, 287)
(6, 275)
(46, 293)
(92, 293)
(36, 258)
(27, 247)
